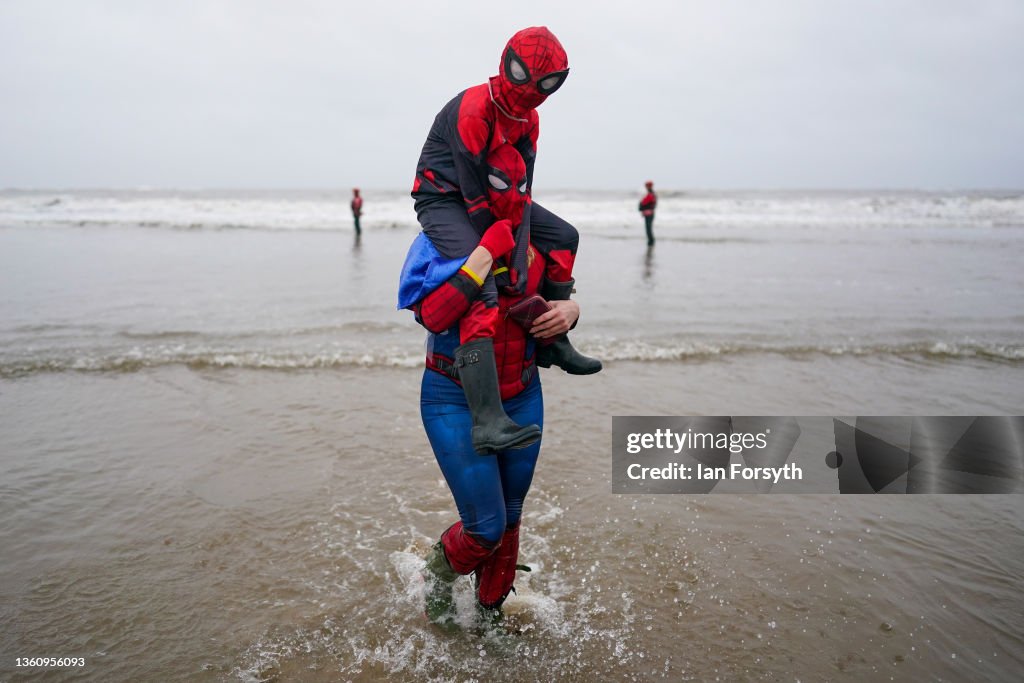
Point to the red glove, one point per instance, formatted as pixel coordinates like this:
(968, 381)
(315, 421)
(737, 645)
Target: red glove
(498, 239)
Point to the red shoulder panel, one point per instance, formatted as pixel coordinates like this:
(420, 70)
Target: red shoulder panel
(474, 119)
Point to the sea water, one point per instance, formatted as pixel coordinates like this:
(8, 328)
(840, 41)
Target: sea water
(213, 465)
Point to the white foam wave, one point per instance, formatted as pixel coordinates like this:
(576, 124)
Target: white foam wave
(675, 350)
(203, 210)
(605, 212)
(724, 210)
(671, 350)
(140, 359)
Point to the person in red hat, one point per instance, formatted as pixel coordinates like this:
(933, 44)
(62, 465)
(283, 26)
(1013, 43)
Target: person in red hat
(647, 205)
(357, 209)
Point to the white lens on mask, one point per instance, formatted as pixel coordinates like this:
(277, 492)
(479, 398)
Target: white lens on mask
(517, 71)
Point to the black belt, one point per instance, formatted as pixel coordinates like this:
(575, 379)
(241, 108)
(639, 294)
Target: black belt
(448, 367)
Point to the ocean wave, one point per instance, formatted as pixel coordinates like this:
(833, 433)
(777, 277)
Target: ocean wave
(693, 240)
(606, 211)
(632, 350)
(355, 326)
(214, 226)
(137, 359)
(203, 360)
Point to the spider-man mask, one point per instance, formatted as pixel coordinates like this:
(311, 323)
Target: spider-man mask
(533, 66)
(506, 183)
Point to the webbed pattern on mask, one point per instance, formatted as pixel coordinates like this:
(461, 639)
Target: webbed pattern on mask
(507, 189)
(533, 65)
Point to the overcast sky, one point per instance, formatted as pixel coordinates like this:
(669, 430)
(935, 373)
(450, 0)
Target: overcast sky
(801, 94)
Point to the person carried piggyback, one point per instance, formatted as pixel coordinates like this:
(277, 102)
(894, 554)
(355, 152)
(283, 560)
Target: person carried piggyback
(476, 240)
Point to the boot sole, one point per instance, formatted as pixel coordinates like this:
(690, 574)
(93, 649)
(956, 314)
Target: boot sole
(585, 372)
(523, 441)
(571, 372)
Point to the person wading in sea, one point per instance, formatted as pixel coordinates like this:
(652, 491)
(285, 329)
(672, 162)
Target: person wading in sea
(357, 209)
(647, 205)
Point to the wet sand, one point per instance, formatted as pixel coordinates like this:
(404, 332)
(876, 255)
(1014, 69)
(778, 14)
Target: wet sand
(221, 524)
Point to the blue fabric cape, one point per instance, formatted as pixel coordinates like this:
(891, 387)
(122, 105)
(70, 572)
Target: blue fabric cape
(424, 271)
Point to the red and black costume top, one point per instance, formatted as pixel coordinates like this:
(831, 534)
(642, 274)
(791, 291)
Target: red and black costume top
(467, 129)
(452, 169)
(648, 203)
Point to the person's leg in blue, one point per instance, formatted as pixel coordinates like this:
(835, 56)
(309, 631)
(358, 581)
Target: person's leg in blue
(488, 490)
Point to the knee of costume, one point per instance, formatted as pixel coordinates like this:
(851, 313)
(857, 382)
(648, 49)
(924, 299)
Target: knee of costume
(448, 226)
(558, 265)
(556, 239)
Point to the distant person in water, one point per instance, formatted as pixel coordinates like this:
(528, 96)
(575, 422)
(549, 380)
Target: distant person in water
(357, 209)
(647, 205)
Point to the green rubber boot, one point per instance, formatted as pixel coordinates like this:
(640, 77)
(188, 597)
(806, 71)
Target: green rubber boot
(438, 577)
(560, 352)
(493, 430)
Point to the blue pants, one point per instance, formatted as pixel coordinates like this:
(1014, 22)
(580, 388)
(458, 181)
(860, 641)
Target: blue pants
(489, 490)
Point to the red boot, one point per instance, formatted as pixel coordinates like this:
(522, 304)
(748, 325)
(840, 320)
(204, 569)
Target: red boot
(495, 575)
(463, 551)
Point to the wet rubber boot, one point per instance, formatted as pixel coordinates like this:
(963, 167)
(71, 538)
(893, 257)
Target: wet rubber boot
(438, 577)
(493, 430)
(560, 352)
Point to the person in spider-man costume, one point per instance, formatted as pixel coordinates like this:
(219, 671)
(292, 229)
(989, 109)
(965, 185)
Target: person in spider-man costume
(488, 491)
(454, 209)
